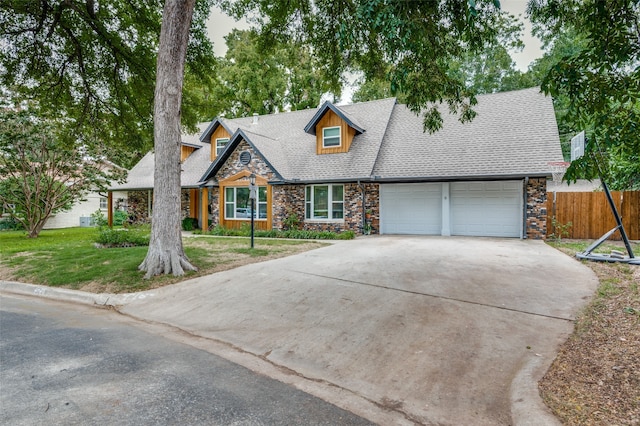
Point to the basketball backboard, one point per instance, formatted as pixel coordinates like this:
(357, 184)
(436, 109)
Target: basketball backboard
(577, 146)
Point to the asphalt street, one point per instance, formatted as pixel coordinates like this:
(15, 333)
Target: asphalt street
(70, 364)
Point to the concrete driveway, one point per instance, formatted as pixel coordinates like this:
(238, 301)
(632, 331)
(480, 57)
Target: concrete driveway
(429, 330)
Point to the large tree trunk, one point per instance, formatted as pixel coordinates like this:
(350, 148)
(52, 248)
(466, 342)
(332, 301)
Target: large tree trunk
(166, 254)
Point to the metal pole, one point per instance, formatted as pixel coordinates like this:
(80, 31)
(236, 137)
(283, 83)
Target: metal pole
(252, 208)
(616, 215)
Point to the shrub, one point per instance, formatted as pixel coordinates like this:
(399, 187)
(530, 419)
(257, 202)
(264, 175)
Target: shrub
(10, 224)
(99, 219)
(119, 218)
(300, 234)
(189, 223)
(292, 221)
(123, 237)
(559, 229)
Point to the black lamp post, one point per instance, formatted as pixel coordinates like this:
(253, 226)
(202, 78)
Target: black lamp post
(252, 197)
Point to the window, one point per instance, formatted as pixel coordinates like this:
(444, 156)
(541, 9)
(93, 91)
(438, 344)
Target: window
(330, 137)
(324, 202)
(103, 203)
(220, 144)
(237, 204)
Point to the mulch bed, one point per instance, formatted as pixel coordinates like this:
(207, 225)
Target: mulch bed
(595, 379)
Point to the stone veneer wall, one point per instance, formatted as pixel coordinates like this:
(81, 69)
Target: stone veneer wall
(290, 199)
(233, 165)
(214, 205)
(536, 208)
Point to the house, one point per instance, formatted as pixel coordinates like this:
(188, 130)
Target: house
(332, 166)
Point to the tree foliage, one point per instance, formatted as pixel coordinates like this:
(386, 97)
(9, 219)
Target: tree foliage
(92, 61)
(42, 172)
(493, 70)
(418, 38)
(489, 70)
(254, 77)
(600, 79)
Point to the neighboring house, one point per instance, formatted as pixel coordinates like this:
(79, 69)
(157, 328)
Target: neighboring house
(581, 185)
(81, 211)
(332, 167)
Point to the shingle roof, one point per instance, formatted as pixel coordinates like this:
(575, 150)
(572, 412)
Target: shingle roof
(282, 139)
(514, 134)
(141, 175)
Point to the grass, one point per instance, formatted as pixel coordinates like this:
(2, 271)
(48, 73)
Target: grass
(68, 258)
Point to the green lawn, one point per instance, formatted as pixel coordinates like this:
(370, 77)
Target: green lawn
(68, 258)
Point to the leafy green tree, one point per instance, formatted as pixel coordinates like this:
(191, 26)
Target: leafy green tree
(600, 80)
(418, 39)
(255, 77)
(94, 62)
(42, 173)
(564, 44)
(493, 70)
(487, 71)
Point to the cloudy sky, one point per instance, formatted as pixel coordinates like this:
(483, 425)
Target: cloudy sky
(220, 25)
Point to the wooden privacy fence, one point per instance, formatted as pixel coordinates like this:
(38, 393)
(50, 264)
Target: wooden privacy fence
(590, 214)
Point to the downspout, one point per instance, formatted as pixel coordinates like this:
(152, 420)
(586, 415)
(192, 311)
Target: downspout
(524, 210)
(364, 209)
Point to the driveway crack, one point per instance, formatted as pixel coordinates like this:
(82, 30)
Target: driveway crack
(437, 296)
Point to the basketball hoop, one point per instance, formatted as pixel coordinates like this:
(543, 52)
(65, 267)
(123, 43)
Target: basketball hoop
(558, 169)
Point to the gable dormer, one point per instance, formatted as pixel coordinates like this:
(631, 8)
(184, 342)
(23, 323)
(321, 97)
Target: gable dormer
(219, 140)
(333, 128)
(186, 149)
(218, 135)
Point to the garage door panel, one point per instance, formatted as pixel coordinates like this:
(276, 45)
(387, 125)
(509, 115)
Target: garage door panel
(411, 209)
(486, 208)
(492, 208)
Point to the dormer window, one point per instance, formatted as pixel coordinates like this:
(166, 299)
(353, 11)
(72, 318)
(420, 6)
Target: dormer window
(331, 137)
(220, 144)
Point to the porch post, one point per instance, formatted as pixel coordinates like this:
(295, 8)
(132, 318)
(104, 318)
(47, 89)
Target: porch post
(149, 192)
(110, 209)
(204, 209)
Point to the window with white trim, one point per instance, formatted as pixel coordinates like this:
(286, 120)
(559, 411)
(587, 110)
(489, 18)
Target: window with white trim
(220, 144)
(103, 203)
(237, 204)
(331, 137)
(324, 202)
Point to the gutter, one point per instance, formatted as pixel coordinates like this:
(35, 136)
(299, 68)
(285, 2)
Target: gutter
(408, 179)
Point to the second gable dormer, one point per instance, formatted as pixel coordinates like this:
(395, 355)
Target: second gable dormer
(218, 135)
(334, 130)
(219, 140)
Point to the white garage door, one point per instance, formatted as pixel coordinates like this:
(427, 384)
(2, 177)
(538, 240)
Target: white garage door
(491, 209)
(414, 208)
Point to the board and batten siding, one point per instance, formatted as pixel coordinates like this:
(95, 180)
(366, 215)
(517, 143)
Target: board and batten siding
(219, 133)
(331, 119)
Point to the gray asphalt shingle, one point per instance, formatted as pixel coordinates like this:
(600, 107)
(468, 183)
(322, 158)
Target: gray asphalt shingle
(514, 134)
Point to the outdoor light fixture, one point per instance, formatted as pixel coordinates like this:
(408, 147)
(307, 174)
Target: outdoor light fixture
(252, 197)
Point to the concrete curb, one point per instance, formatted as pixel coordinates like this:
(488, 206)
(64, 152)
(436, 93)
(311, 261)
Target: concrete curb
(61, 294)
(527, 407)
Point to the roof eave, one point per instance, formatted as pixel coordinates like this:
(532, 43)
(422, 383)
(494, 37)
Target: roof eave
(206, 135)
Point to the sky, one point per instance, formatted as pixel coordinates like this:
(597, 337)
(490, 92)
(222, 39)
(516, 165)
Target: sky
(219, 25)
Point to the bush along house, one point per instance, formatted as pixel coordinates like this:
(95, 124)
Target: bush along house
(370, 168)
